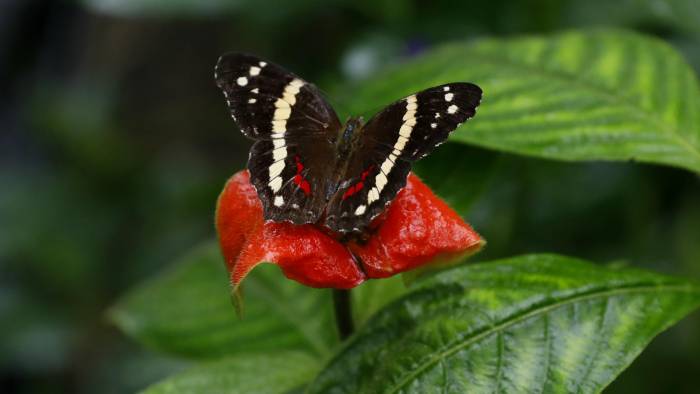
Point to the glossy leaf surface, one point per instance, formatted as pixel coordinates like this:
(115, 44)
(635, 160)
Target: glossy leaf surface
(187, 311)
(538, 323)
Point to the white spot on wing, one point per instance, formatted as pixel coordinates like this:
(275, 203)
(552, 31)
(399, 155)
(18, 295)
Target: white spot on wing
(295, 85)
(282, 113)
(446, 88)
(373, 195)
(400, 143)
(433, 125)
(386, 166)
(360, 210)
(279, 127)
(275, 184)
(242, 81)
(252, 101)
(381, 181)
(276, 169)
(289, 98)
(255, 91)
(279, 201)
(262, 64)
(254, 71)
(281, 103)
(452, 109)
(279, 154)
(448, 97)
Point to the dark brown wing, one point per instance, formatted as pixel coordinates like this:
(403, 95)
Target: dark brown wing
(295, 129)
(400, 134)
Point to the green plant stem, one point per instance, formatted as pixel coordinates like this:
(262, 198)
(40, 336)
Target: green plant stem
(343, 314)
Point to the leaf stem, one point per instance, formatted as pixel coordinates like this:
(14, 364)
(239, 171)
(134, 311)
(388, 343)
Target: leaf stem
(343, 314)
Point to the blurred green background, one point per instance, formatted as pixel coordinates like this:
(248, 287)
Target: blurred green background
(114, 143)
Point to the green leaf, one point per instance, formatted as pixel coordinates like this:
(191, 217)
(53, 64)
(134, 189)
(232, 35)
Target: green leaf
(245, 374)
(373, 295)
(538, 323)
(598, 95)
(187, 311)
(458, 174)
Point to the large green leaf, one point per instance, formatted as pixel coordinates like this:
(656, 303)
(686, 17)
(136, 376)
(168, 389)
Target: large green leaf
(276, 373)
(599, 95)
(539, 323)
(187, 311)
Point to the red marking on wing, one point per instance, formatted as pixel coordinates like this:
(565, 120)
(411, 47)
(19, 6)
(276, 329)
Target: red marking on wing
(299, 179)
(359, 185)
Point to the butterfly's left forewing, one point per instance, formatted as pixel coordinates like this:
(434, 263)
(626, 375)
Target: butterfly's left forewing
(405, 131)
(294, 129)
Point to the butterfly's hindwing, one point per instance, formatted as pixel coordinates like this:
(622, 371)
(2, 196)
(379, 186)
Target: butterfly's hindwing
(295, 128)
(290, 188)
(400, 134)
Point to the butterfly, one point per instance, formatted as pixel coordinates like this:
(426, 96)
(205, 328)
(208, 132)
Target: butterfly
(308, 167)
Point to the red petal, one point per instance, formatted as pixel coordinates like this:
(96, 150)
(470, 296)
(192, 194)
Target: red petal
(311, 257)
(419, 228)
(239, 221)
(304, 253)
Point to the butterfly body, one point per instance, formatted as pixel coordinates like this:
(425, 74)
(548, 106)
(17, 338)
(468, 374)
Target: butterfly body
(347, 143)
(350, 136)
(309, 168)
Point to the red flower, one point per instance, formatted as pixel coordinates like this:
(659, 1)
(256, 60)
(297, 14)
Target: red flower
(417, 228)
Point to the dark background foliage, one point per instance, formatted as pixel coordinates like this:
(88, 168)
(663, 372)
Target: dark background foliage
(114, 143)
